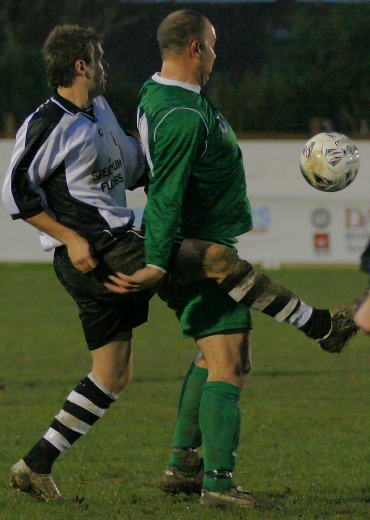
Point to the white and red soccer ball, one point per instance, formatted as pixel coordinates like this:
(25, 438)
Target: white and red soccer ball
(330, 161)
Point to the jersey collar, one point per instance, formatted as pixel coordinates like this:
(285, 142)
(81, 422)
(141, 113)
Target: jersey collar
(173, 83)
(71, 108)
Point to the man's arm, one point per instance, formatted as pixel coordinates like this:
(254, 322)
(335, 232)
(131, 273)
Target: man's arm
(146, 278)
(178, 138)
(78, 248)
(23, 202)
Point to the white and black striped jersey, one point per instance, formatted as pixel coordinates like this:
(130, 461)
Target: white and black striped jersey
(76, 165)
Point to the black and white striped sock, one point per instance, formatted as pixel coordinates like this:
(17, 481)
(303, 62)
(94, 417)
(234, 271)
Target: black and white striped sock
(257, 291)
(85, 405)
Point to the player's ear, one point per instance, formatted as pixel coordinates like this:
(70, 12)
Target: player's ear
(195, 48)
(80, 67)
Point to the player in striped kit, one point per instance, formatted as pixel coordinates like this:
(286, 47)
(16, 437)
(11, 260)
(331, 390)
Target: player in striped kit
(68, 174)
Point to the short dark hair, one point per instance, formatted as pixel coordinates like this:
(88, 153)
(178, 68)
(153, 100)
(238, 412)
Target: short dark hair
(178, 29)
(63, 47)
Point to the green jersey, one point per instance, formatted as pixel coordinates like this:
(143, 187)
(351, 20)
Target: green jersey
(197, 183)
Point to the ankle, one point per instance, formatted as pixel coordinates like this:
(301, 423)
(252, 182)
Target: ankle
(185, 459)
(319, 324)
(218, 480)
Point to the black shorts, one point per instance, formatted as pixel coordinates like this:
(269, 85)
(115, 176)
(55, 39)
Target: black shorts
(106, 316)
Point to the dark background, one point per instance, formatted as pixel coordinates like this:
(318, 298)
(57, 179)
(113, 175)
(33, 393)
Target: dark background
(282, 68)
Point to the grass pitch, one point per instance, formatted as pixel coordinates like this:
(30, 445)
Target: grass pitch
(306, 422)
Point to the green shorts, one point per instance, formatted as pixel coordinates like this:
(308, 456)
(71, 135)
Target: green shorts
(203, 309)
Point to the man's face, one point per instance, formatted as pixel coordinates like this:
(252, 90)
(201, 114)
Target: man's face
(208, 54)
(97, 71)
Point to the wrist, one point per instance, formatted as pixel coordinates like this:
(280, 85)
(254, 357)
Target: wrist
(157, 267)
(68, 236)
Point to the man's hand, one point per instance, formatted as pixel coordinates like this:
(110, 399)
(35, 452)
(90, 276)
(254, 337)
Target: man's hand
(146, 278)
(79, 249)
(79, 252)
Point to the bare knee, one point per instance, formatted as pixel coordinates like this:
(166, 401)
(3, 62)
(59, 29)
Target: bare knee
(112, 365)
(220, 261)
(115, 379)
(121, 377)
(227, 356)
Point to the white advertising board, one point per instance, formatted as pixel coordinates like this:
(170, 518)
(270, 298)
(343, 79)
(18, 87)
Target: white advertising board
(293, 222)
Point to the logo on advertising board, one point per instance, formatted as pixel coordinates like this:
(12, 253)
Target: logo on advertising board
(321, 242)
(321, 219)
(357, 228)
(261, 219)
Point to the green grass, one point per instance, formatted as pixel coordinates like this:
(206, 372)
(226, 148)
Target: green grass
(306, 421)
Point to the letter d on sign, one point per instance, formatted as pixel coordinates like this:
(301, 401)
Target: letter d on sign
(354, 218)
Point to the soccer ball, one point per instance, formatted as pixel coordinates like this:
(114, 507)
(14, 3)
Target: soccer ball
(330, 161)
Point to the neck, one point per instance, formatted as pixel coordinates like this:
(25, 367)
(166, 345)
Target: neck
(179, 70)
(77, 96)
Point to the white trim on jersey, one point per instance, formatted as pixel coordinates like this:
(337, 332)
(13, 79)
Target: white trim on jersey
(62, 107)
(173, 110)
(157, 267)
(174, 83)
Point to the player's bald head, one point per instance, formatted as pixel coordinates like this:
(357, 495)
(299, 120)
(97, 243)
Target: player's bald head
(180, 28)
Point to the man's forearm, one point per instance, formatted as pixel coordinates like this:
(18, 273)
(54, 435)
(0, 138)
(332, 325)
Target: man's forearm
(79, 250)
(44, 222)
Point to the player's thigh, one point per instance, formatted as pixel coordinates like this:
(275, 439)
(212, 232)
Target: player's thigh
(228, 356)
(196, 259)
(187, 260)
(105, 316)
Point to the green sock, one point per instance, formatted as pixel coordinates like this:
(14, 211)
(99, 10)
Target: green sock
(187, 430)
(219, 419)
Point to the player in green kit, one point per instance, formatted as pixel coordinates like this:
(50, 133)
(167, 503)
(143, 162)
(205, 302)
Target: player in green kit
(198, 191)
(196, 152)
(201, 189)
